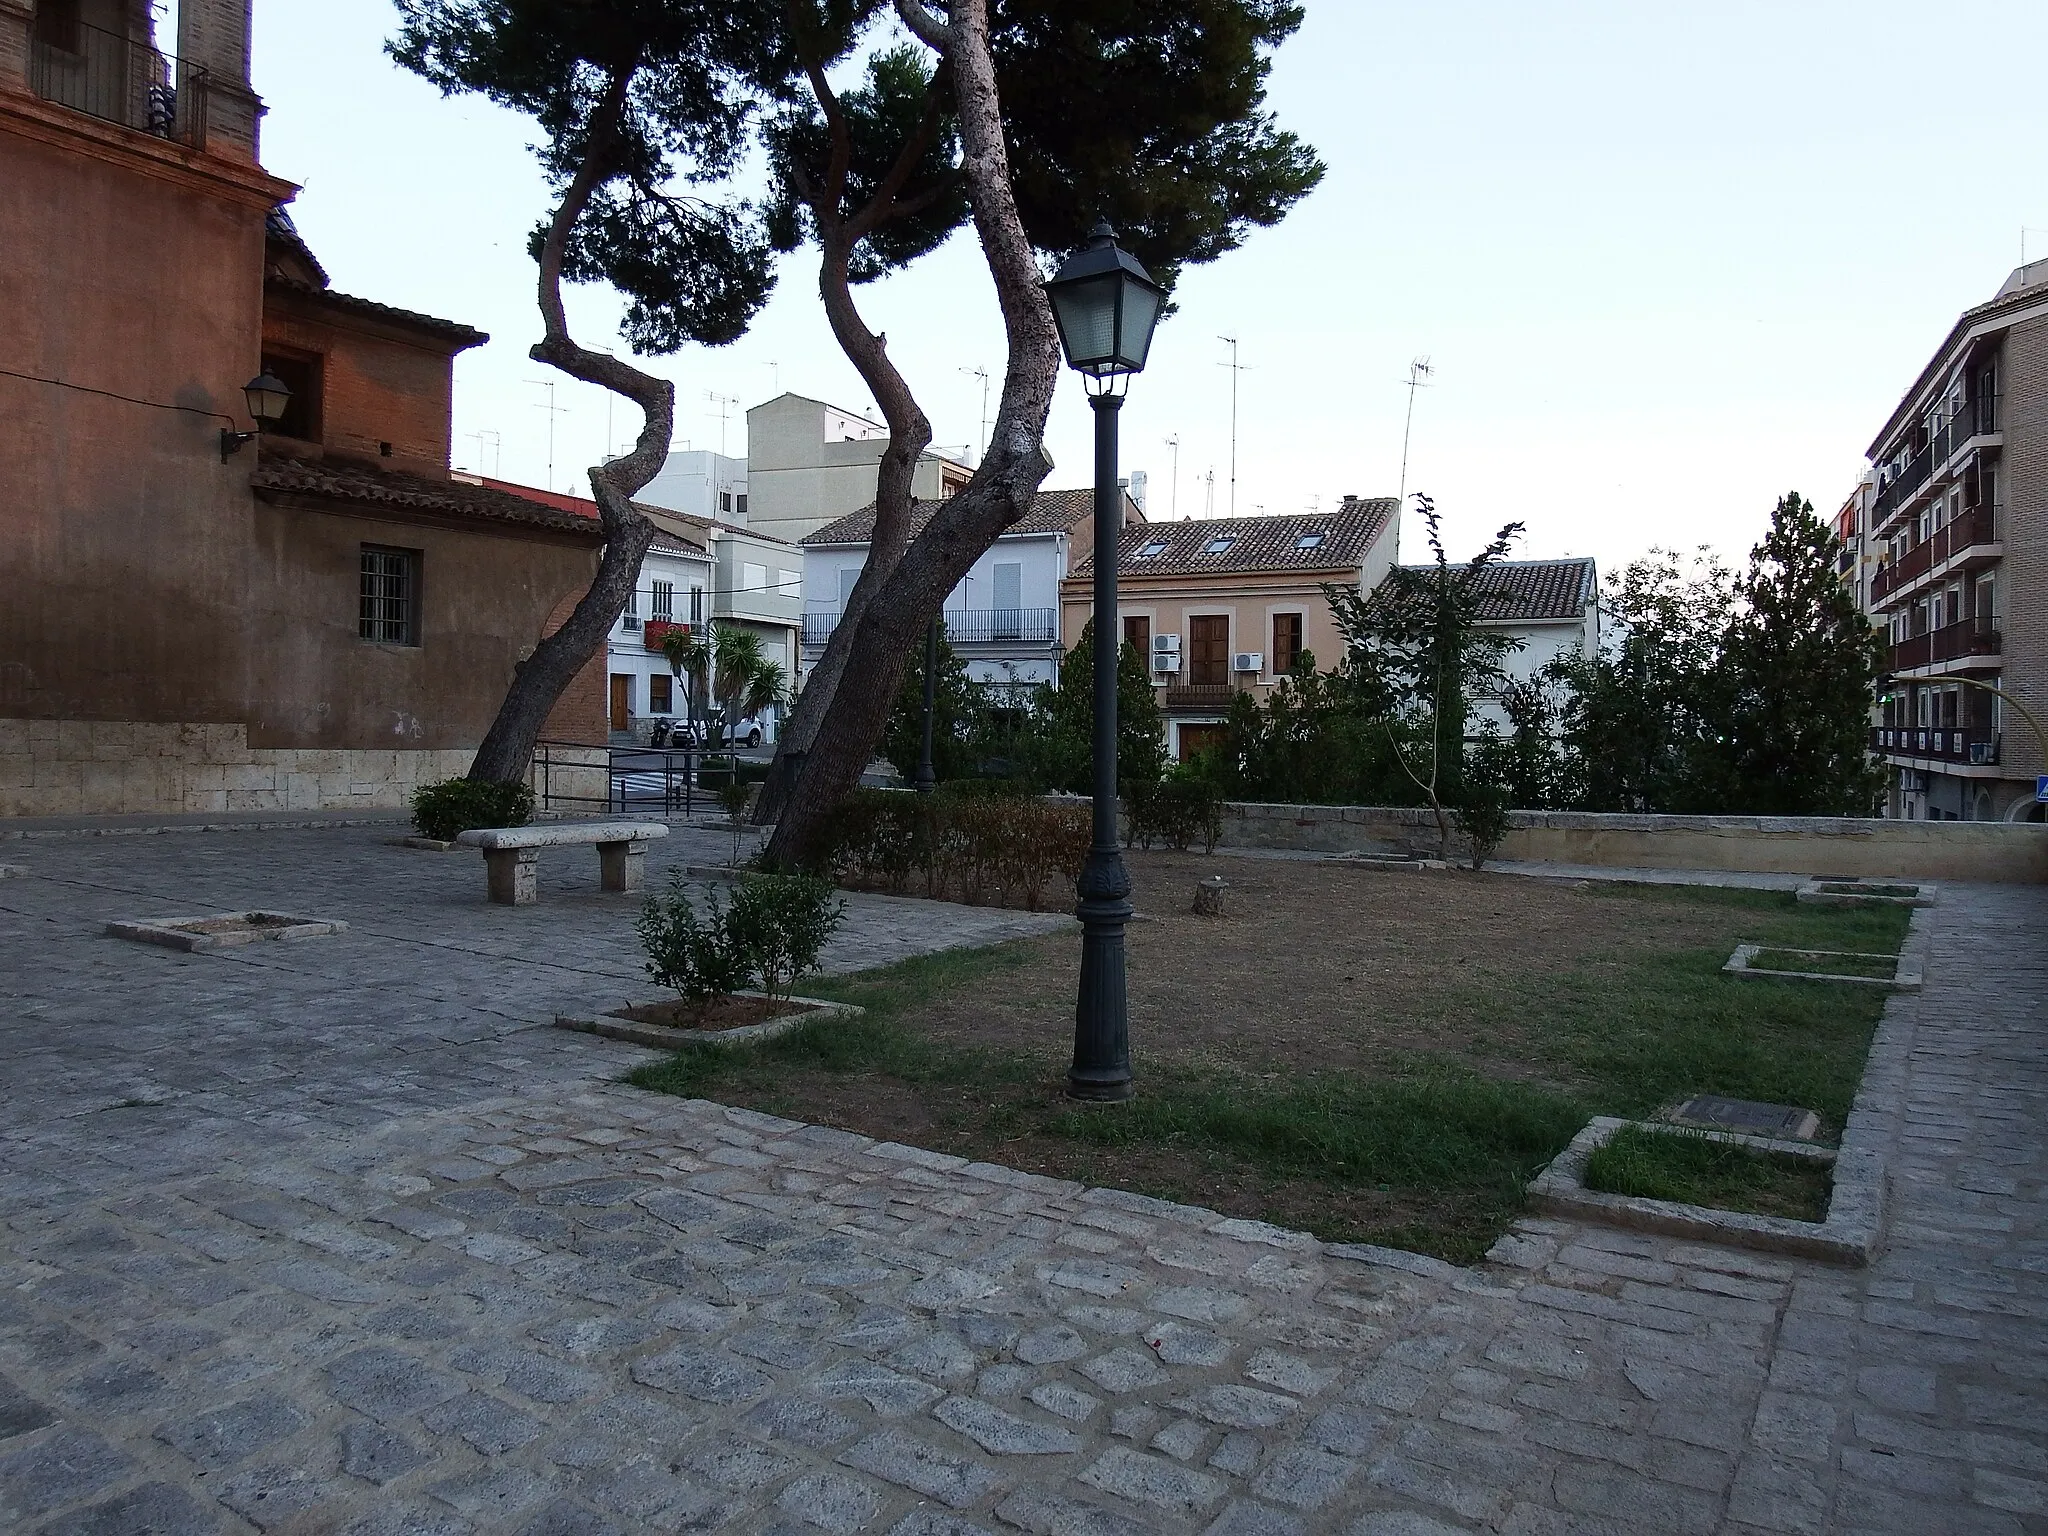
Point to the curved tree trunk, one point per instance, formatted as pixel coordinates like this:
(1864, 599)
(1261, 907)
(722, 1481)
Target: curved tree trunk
(1004, 486)
(507, 747)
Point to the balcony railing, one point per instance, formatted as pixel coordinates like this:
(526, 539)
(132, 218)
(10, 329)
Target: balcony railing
(1977, 636)
(1902, 485)
(1955, 744)
(1197, 698)
(117, 78)
(1977, 526)
(964, 626)
(1976, 418)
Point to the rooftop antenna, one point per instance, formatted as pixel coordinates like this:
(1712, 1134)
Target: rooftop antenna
(981, 452)
(1174, 443)
(1419, 373)
(1235, 369)
(774, 372)
(725, 403)
(497, 451)
(1315, 503)
(2026, 230)
(1209, 499)
(553, 411)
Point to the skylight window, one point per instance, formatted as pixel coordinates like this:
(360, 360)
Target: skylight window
(1309, 541)
(1219, 546)
(1151, 551)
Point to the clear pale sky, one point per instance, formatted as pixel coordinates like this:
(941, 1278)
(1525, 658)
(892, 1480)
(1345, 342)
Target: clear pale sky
(1668, 261)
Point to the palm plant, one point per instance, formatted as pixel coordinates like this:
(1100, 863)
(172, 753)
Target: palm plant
(689, 656)
(744, 679)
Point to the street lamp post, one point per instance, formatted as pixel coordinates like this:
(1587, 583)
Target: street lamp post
(1105, 305)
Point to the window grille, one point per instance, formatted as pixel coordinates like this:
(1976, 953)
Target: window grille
(389, 612)
(665, 600)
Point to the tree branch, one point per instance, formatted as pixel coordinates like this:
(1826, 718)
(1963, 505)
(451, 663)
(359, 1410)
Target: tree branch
(928, 29)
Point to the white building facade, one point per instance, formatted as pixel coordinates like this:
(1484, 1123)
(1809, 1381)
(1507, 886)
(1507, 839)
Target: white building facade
(1549, 608)
(673, 590)
(810, 463)
(701, 484)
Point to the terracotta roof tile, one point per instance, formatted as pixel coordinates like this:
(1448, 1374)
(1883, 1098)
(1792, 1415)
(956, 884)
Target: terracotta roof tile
(1528, 591)
(450, 330)
(362, 486)
(1315, 541)
(1053, 512)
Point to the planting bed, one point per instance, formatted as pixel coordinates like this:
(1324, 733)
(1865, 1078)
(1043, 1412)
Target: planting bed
(222, 930)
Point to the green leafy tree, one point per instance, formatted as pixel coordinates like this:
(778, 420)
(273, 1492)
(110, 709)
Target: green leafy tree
(1311, 741)
(1059, 746)
(1642, 720)
(644, 111)
(958, 718)
(1799, 663)
(1418, 652)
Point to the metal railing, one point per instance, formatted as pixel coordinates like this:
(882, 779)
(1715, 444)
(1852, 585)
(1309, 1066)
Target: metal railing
(1977, 526)
(1976, 418)
(964, 626)
(660, 781)
(116, 78)
(1957, 744)
(1198, 696)
(1979, 635)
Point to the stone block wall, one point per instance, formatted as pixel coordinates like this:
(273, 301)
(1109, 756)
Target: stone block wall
(2024, 576)
(1791, 845)
(102, 767)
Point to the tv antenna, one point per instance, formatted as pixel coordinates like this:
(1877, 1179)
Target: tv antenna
(1235, 368)
(1419, 373)
(497, 451)
(1173, 509)
(725, 403)
(2026, 230)
(981, 451)
(1209, 499)
(553, 411)
(774, 372)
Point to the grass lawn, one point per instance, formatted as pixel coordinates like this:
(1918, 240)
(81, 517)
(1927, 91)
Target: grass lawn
(1689, 1167)
(1371, 1055)
(1825, 965)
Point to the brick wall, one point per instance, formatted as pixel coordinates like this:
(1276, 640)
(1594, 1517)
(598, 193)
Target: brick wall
(374, 388)
(2025, 572)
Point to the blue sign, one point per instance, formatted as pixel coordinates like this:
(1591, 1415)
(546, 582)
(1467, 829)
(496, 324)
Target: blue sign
(2041, 788)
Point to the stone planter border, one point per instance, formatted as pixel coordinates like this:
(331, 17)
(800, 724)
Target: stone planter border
(179, 932)
(662, 1037)
(1905, 977)
(430, 844)
(1849, 1235)
(1845, 893)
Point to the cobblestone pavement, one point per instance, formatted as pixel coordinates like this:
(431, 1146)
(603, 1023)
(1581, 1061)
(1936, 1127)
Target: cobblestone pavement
(323, 1236)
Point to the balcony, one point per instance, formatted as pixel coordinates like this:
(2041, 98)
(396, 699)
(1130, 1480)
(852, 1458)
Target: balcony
(116, 78)
(1976, 527)
(1977, 636)
(1902, 485)
(1977, 418)
(964, 626)
(1197, 699)
(1975, 745)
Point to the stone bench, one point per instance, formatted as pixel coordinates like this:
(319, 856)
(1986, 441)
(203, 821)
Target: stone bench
(512, 854)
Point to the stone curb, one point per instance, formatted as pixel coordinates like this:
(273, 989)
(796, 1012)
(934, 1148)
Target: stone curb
(25, 834)
(168, 932)
(662, 1037)
(1906, 973)
(1828, 893)
(1849, 1235)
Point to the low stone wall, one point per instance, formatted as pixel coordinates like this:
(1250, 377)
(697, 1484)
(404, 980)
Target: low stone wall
(1790, 845)
(105, 768)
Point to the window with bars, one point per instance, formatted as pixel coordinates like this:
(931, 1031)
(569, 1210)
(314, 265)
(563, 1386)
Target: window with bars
(696, 606)
(665, 600)
(389, 611)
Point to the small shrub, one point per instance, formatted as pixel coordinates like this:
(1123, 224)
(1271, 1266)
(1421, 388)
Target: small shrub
(445, 810)
(777, 924)
(688, 951)
(1184, 807)
(736, 798)
(980, 841)
(1483, 819)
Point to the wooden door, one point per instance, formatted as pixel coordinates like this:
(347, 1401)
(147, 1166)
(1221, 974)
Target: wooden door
(622, 700)
(1201, 738)
(1209, 651)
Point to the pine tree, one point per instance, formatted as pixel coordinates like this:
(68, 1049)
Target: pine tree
(1799, 662)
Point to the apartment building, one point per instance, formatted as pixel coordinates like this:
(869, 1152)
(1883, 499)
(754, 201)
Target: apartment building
(1548, 609)
(1955, 511)
(1003, 619)
(810, 463)
(1226, 605)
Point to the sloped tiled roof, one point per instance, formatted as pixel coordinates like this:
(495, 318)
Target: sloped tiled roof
(1314, 541)
(1530, 591)
(361, 486)
(449, 330)
(278, 226)
(1053, 512)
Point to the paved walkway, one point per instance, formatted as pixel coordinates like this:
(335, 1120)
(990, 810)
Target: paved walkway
(328, 1237)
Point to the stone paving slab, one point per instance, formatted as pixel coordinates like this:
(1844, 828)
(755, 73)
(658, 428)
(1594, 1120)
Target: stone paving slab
(348, 1241)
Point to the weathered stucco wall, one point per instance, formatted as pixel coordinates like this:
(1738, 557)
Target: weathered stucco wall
(1929, 850)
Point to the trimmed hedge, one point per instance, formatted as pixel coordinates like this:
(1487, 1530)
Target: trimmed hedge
(978, 840)
(451, 807)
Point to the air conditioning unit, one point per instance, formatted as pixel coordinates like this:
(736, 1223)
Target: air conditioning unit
(1248, 661)
(1166, 653)
(1983, 753)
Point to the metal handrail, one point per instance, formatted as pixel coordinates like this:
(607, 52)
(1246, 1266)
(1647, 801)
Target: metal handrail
(635, 778)
(964, 626)
(117, 78)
